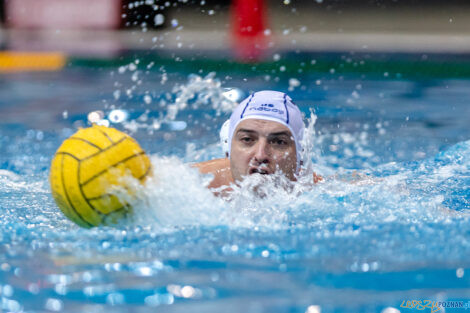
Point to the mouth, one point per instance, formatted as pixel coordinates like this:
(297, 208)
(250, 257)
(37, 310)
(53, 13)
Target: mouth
(261, 171)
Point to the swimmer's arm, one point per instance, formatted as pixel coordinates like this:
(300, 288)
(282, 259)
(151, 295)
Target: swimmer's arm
(220, 168)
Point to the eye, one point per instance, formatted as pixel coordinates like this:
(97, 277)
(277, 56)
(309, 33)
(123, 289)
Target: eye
(279, 142)
(246, 139)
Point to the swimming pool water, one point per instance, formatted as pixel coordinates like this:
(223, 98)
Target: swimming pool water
(358, 242)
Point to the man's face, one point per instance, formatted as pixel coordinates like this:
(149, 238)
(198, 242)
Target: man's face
(264, 147)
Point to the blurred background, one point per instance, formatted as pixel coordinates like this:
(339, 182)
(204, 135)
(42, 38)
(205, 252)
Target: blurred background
(109, 27)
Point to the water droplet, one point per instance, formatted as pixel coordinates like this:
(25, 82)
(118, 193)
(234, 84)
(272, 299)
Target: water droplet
(159, 19)
(95, 116)
(294, 82)
(365, 267)
(54, 305)
(313, 309)
(122, 69)
(116, 116)
(60, 289)
(33, 288)
(147, 99)
(135, 76)
(12, 305)
(174, 22)
(7, 291)
(103, 122)
(187, 292)
(115, 298)
(132, 67)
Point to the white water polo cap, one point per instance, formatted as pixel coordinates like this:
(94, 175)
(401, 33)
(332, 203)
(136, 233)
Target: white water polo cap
(271, 106)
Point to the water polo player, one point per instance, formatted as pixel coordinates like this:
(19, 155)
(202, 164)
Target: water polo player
(263, 136)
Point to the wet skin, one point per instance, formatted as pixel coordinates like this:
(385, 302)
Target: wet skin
(263, 147)
(258, 147)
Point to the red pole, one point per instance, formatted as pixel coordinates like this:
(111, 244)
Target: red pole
(248, 27)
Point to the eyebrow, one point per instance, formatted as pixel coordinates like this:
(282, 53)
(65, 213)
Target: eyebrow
(281, 133)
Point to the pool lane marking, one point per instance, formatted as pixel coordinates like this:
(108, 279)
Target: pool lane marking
(66, 193)
(19, 61)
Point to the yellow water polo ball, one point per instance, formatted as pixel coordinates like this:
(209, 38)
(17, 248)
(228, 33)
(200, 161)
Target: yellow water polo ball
(86, 168)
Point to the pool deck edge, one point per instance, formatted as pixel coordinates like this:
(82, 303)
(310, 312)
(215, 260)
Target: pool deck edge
(111, 42)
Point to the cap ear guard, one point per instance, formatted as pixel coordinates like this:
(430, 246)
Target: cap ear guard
(224, 135)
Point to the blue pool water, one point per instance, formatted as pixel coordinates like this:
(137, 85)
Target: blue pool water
(389, 223)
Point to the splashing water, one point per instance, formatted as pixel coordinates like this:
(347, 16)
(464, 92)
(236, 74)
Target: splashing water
(371, 234)
(198, 93)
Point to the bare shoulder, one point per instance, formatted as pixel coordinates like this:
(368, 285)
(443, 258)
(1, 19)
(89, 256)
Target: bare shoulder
(220, 168)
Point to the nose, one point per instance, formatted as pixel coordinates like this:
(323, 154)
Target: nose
(262, 152)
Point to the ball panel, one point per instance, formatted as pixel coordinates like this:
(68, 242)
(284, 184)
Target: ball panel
(79, 149)
(70, 170)
(98, 137)
(100, 184)
(100, 162)
(113, 175)
(59, 193)
(112, 134)
(107, 203)
(86, 141)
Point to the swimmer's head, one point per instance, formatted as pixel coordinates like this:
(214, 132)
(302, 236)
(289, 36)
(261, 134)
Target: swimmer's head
(270, 112)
